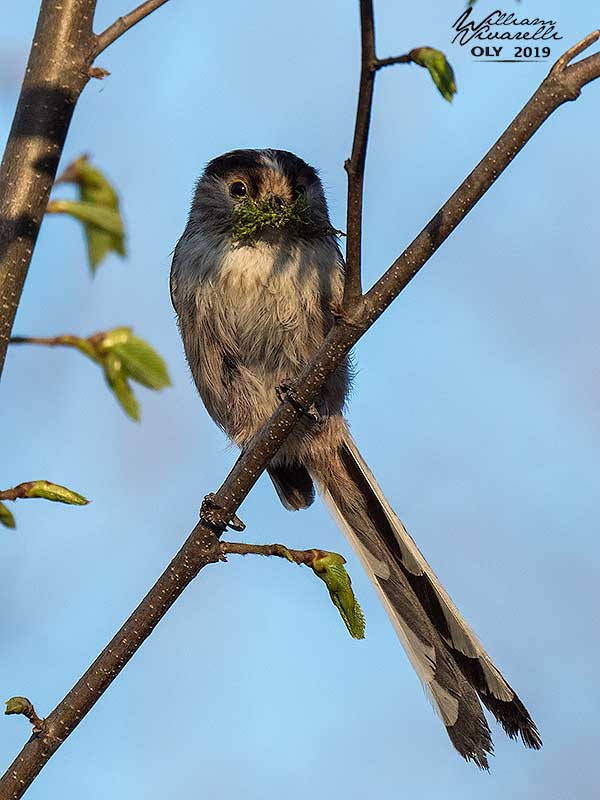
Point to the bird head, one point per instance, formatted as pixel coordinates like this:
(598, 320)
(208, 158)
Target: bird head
(261, 194)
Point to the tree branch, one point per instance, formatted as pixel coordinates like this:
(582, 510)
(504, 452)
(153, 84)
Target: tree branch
(57, 72)
(16, 493)
(88, 345)
(279, 550)
(59, 67)
(202, 546)
(389, 62)
(355, 165)
(65, 340)
(123, 24)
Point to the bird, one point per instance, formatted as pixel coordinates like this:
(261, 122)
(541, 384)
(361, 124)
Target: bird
(256, 279)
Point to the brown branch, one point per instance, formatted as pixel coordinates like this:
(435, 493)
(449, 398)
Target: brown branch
(59, 67)
(57, 72)
(202, 546)
(66, 340)
(574, 51)
(88, 345)
(17, 492)
(279, 550)
(389, 62)
(355, 165)
(123, 24)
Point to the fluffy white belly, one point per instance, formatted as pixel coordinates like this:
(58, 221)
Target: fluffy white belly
(252, 317)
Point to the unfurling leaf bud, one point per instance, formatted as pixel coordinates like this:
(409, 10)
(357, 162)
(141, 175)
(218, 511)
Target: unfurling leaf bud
(117, 380)
(330, 568)
(6, 517)
(142, 363)
(97, 209)
(439, 69)
(108, 339)
(19, 705)
(55, 492)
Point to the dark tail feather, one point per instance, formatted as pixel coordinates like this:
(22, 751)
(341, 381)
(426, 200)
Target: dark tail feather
(293, 485)
(449, 659)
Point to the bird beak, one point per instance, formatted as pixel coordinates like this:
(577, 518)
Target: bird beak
(277, 201)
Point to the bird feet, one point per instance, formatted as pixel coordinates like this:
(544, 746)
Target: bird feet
(209, 514)
(286, 392)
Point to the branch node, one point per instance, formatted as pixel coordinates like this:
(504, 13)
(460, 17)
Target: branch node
(98, 72)
(352, 314)
(280, 550)
(574, 51)
(124, 23)
(202, 547)
(380, 63)
(21, 705)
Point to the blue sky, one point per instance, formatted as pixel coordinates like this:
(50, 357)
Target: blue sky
(476, 404)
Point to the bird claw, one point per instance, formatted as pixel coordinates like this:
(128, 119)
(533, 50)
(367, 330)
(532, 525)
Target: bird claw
(286, 392)
(209, 514)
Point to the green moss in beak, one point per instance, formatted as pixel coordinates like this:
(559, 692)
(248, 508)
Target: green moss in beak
(251, 217)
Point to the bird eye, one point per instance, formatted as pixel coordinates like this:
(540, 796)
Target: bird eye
(238, 189)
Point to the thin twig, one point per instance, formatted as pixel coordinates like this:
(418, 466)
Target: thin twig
(24, 706)
(88, 346)
(202, 546)
(355, 165)
(574, 51)
(279, 550)
(56, 74)
(59, 67)
(17, 492)
(123, 24)
(51, 341)
(389, 62)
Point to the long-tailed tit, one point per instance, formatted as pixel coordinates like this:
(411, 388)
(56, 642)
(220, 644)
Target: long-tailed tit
(252, 311)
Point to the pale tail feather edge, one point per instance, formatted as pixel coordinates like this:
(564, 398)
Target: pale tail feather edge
(494, 691)
(463, 647)
(461, 715)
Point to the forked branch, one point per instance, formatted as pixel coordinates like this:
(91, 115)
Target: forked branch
(123, 24)
(59, 67)
(203, 547)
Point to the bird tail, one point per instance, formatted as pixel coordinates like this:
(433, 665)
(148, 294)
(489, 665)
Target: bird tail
(454, 668)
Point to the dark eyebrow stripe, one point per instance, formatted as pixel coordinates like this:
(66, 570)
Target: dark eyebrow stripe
(242, 160)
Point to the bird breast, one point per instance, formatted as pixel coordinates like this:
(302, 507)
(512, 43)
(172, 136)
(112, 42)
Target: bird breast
(251, 317)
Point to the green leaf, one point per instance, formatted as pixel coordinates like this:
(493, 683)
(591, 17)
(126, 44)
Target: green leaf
(439, 69)
(93, 184)
(330, 568)
(100, 244)
(118, 382)
(108, 339)
(6, 517)
(18, 705)
(102, 217)
(56, 493)
(142, 363)
(97, 209)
